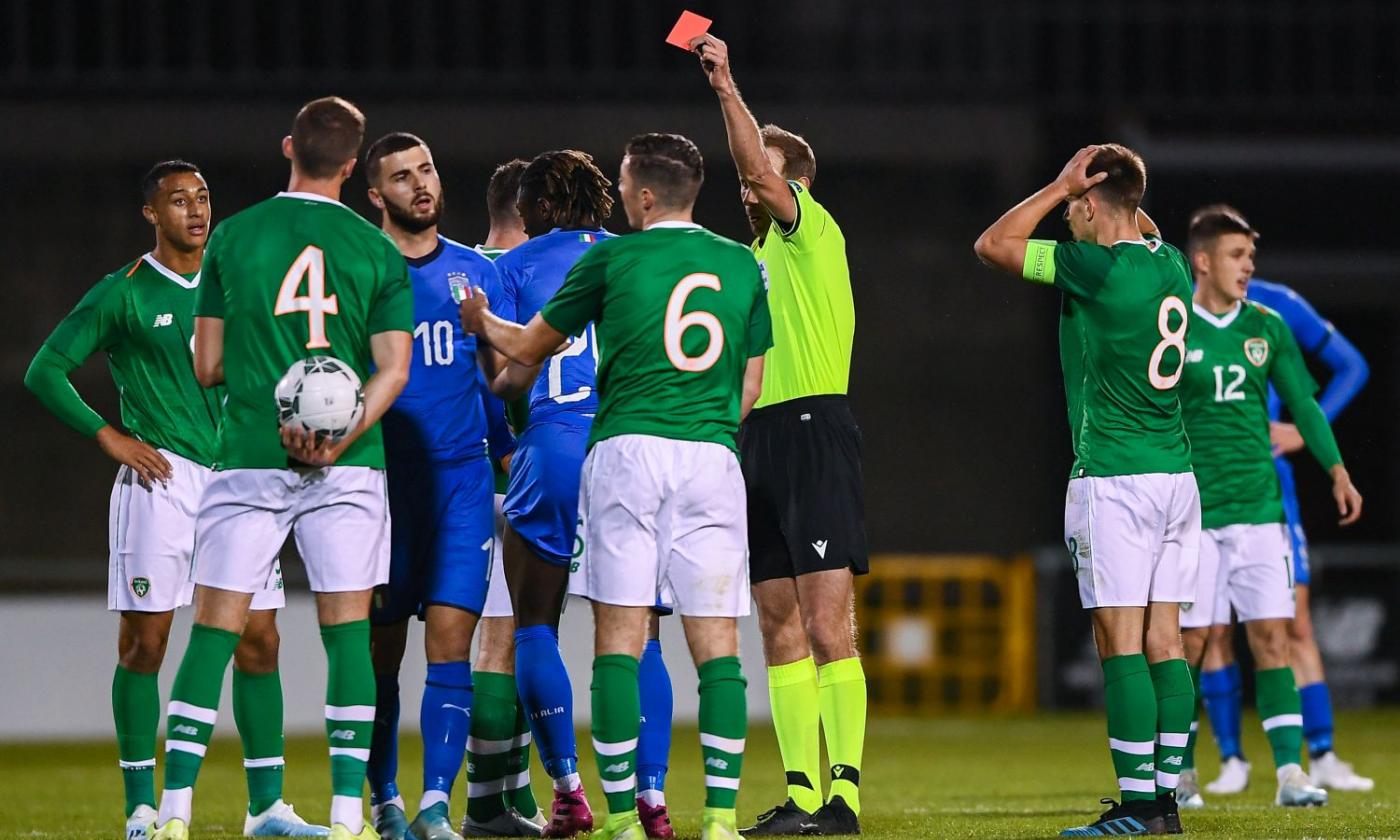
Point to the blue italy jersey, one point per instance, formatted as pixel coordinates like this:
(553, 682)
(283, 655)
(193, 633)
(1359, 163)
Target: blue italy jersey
(530, 274)
(440, 416)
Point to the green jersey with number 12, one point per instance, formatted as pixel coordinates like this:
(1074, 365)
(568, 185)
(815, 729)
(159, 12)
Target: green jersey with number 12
(294, 276)
(1123, 326)
(679, 311)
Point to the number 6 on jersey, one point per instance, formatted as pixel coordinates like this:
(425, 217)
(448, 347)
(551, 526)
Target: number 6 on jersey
(311, 264)
(677, 322)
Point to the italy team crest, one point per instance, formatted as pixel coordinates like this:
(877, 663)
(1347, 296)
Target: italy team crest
(1257, 351)
(461, 288)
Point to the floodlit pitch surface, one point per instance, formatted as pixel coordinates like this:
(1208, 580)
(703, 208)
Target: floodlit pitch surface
(982, 777)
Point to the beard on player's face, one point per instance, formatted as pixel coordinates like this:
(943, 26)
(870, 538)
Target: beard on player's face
(415, 218)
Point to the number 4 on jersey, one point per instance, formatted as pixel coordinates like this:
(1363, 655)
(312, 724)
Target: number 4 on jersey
(311, 264)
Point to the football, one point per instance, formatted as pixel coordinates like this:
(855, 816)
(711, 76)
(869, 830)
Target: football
(321, 394)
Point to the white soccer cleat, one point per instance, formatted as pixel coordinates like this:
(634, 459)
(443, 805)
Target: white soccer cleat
(280, 820)
(1233, 778)
(1296, 790)
(141, 824)
(1188, 791)
(1332, 773)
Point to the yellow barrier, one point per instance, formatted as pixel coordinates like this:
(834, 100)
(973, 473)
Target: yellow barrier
(948, 633)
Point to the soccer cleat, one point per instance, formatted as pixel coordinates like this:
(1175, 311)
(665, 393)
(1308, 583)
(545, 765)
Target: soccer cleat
(390, 822)
(1233, 778)
(141, 824)
(1168, 807)
(620, 827)
(340, 832)
(833, 818)
(174, 829)
(433, 823)
(508, 823)
(782, 819)
(1330, 772)
(1130, 819)
(1188, 791)
(279, 820)
(570, 814)
(656, 820)
(1296, 790)
(717, 827)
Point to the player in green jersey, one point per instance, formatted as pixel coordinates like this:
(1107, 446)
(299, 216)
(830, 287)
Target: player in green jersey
(253, 321)
(1236, 350)
(1132, 510)
(507, 228)
(142, 317)
(802, 472)
(682, 322)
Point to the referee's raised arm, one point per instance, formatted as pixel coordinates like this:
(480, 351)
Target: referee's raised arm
(800, 449)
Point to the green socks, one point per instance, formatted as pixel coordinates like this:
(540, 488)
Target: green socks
(841, 699)
(793, 695)
(136, 712)
(724, 723)
(495, 772)
(1188, 761)
(519, 794)
(617, 722)
(257, 709)
(1281, 712)
(1131, 706)
(1176, 706)
(350, 695)
(194, 704)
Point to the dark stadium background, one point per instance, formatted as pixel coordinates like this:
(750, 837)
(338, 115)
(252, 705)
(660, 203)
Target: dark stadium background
(928, 119)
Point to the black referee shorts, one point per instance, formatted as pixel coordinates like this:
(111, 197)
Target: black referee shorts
(801, 461)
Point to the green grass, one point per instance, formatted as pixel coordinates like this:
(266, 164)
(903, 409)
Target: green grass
(945, 778)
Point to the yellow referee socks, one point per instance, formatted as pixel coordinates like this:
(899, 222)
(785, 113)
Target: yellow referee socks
(792, 692)
(841, 696)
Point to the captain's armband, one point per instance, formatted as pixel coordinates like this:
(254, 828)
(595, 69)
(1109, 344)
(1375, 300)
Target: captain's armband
(1039, 266)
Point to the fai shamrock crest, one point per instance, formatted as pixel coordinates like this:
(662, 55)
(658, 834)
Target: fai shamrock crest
(1257, 351)
(140, 586)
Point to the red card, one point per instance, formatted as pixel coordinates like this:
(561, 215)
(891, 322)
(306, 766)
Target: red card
(688, 28)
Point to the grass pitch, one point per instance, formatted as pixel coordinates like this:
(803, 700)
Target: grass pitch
(983, 777)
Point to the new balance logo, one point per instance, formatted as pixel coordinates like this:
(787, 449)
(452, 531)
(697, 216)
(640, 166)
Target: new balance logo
(182, 729)
(164, 320)
(1146, 767)
(820, 546)
(620, 767)
(343, 735)
(1172, 761)
(717, 763)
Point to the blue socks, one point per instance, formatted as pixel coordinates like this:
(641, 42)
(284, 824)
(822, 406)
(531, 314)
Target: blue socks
(445, 718)
(546, 697)
(1222, 693)
(654, 745)
(1317, 718)
(384, 744)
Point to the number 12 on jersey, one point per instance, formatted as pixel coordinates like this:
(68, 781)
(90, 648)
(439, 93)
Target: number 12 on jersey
(311, 264)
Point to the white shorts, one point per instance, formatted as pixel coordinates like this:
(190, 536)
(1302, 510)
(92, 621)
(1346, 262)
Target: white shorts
(664, 521)
(150, 535)
(1134, 538)
(497, 595)
(1256, 571)
(340, 516)
(1204, 609)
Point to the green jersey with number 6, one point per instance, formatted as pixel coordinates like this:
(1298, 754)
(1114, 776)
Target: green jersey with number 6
(1231, 360)
(1123, 324)
(678, 311)
(294, 276)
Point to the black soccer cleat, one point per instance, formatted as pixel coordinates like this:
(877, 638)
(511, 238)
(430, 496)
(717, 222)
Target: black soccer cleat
(782, 819)
(833, 818)
(1130, 819)
(1171, 817)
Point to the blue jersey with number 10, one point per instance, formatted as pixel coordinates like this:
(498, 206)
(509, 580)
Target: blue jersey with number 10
(530, 274)
(440, 417)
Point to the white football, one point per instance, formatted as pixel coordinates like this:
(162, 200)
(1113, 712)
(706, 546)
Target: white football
(322, 395)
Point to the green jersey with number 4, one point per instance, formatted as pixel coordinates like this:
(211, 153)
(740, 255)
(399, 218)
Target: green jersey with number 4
(1231, 360)
(678, 311)
(1123, 325)
(294, 276)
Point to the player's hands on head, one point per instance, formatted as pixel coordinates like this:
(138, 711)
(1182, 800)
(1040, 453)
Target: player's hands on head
(1075, 177)
(714, 60)
(149, 465)
(1347, 496)
(473, 309)
(311, 449)
(1285, 438)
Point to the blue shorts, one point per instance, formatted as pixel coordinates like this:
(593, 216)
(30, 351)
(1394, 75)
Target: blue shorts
(441, 530)
(1302, 575)
(542, 499)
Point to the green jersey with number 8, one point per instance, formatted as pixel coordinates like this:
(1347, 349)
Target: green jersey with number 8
(678, 311)
(1123, 325)
(294, 276)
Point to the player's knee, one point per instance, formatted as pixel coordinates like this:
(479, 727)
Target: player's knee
(142, 652)
(830, 639)
(448, 648)
(257, 649)
(1269, 641)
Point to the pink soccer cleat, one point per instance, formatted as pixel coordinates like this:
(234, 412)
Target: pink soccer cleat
(570, 815)
(656, 820)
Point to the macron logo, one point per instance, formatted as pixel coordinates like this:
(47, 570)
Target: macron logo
(820, 546)
(164, 320)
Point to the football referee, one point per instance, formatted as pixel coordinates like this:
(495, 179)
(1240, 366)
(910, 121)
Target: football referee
(801, 458)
